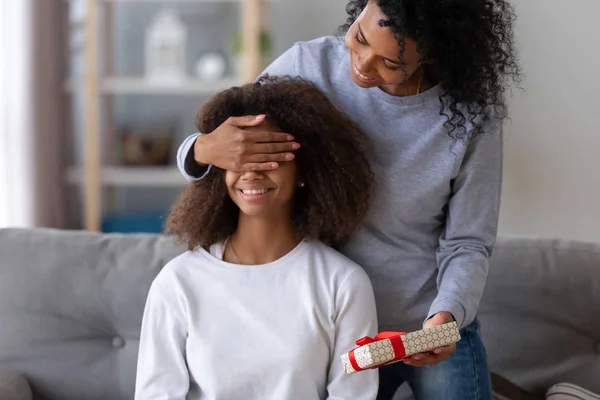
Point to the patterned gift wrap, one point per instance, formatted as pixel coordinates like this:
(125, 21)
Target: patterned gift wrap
(389, 347)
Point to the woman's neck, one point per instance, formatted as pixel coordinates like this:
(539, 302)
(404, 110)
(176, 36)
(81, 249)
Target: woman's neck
(421, 81)
(260, 241)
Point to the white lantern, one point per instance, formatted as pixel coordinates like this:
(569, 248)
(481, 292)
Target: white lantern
(211, 65)
(166, 39)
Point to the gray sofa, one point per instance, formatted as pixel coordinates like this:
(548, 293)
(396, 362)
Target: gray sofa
(71, 306)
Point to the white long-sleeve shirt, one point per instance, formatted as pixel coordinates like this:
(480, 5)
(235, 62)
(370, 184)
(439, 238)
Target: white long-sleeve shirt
(213, 330)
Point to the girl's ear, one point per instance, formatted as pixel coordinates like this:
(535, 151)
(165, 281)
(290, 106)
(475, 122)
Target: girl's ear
(300, 181)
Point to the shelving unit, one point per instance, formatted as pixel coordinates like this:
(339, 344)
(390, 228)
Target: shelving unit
(93, 176)
(137, 85)
(132, 176)
(169, 1)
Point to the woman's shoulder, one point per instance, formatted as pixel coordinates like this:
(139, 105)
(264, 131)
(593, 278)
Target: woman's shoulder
(322, 46)
(312, 60)
(320, 53)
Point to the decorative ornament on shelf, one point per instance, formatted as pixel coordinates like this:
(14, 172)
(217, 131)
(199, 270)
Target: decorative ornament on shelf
(211, 65)
(147, 147)
(166, 46)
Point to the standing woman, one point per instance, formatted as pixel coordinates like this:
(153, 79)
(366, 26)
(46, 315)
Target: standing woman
(425, 79)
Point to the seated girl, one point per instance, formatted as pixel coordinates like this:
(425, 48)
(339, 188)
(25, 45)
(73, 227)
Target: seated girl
(261, 307)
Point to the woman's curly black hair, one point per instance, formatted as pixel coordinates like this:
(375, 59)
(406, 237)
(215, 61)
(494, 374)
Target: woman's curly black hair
(470, 44)
(331, 161)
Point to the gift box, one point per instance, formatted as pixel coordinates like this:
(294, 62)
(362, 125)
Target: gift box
(390, 347)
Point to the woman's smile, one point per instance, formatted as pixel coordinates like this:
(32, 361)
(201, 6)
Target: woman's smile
(361, 76)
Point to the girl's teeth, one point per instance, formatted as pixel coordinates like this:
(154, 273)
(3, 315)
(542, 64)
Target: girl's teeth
(255, 191)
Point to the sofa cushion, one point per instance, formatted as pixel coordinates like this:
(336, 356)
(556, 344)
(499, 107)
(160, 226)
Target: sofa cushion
(568, 391)
(71, 306)
(13, 386)
(506, 390)
(539, 312)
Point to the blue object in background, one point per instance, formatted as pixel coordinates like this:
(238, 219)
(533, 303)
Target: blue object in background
(150, 222)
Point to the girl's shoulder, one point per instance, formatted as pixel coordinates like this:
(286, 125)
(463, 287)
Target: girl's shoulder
(316, 248)
(334, 263)
(180, 268)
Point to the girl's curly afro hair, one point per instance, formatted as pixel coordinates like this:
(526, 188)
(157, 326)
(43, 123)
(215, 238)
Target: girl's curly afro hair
(331, 161)
(470, 44)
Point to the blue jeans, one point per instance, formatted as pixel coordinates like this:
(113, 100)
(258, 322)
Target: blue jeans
(464, 376)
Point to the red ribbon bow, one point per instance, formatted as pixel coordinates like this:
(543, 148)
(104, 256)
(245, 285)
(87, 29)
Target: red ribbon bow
(395, 340)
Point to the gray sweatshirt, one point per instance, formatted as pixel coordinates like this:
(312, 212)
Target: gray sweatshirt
(426, 242)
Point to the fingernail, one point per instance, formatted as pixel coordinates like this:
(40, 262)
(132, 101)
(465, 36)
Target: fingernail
(289, 156)
(437, 351)
(290, 137)
(274, 165)
(262, 116)
(416, 357)
(296, 146)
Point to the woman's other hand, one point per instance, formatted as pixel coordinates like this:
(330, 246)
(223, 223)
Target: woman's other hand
(232, 148)
(438, 355)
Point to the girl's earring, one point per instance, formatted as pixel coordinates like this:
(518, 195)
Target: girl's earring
(301, 184)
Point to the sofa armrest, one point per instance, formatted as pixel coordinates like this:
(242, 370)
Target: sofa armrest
(14, 386)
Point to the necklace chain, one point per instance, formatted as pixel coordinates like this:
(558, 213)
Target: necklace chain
(419, 84)
(230, 244)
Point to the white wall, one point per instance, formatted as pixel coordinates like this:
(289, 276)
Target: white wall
(298, 20)
(552, 159)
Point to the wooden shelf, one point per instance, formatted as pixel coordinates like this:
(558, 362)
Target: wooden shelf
(167, 176)
(97, 180)
(165, 1)
(137, 85)
(170, 1)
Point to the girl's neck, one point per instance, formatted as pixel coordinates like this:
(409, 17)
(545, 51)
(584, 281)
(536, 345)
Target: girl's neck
(260, 241)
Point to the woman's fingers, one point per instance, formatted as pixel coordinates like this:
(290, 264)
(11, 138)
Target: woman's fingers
(267, 166)
(258, 151)
(264, 158)
(273, 148)
(246, 120)
(267, 137)
(436, 356)
(264, 162)
(424, 359)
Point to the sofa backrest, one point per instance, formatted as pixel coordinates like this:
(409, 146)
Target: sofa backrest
(540, 312)
(71, 306)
